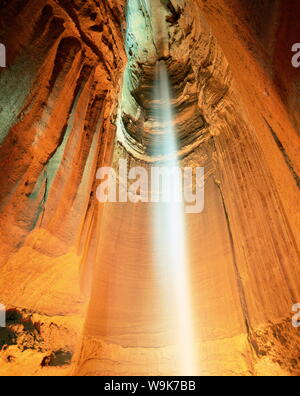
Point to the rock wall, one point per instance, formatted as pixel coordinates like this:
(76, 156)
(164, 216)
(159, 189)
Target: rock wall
(232, 116)
(245, 96)
(58, 97)
(235, 101)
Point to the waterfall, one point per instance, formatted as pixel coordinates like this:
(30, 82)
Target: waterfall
(170, 233)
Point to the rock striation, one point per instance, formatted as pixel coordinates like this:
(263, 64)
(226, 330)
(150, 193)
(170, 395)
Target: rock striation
(58, 97)
(79, 93)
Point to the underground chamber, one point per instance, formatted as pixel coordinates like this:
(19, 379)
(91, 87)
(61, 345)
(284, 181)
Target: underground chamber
(149, 193)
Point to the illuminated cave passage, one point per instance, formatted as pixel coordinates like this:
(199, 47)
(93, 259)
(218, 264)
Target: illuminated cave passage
(144, 288)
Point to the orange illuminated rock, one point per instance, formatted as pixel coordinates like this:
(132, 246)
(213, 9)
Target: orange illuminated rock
(66, 260)
(57, 96)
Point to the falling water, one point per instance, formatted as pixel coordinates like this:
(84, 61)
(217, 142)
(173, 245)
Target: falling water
(170, 234)
(165, 143)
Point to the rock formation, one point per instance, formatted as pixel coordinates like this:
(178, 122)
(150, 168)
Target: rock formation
(77, 94)
(58, 97)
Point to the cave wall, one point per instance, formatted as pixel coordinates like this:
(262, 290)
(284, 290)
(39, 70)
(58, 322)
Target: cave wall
(58, 97)
(245, 246)
(230, 65)
(244, 98)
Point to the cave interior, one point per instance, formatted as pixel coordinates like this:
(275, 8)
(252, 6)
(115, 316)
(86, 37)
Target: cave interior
(127, 288)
